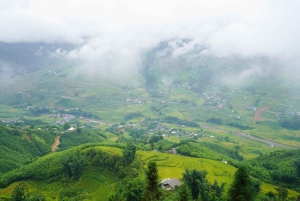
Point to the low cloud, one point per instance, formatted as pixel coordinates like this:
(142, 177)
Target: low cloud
(114, 35)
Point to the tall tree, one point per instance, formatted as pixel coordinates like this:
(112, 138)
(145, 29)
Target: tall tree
(241, 188)
(153, 192)
(129, 153)
(201, 188)
(196, 180)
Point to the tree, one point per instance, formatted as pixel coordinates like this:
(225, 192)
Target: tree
(297, 164)
(135, 189)
(73, 165)
(241, 188)
(67, 125)
(129, 153)
(196, 180)
(152, 189)
(19, 192)
(271, 195)
(282, 193)
(184, 193)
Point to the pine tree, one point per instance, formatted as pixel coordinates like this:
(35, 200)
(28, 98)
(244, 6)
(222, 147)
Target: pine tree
(241, 188)
(129, 153)
(153, 191)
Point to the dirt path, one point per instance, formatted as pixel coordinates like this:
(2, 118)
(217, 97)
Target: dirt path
(257, 117)
(27, 137)
(55, 144)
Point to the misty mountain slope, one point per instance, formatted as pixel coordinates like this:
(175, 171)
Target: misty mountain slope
(192, 86)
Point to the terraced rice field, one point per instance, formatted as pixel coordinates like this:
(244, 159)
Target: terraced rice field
(96, 184)
(173, 166)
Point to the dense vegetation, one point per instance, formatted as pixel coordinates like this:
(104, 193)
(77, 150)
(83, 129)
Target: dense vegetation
(292, 122)
(211, 151)
(16, 150)
(280, 167)
(176, 120)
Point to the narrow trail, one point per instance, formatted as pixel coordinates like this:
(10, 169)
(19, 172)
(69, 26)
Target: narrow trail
(257, 117)
(55, 144)
(141, 165)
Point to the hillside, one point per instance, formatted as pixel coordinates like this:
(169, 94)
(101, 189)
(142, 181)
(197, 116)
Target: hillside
(98, 178)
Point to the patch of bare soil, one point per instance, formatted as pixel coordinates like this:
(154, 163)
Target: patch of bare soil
(257, 117)
(27, 137)
(55, 144)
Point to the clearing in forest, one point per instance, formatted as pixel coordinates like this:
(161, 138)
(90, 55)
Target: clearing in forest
(55, 144)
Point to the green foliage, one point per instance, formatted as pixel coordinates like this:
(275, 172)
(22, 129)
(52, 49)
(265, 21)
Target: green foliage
(277, 167)
(153, 191)
(73, 164)
(37, 197)
(72, 139)
(79, 112)
(129, 153)
(214, 120)
(201, 188)
(282, 193)
(196, 180)
(239, 126)
(224, 150)
(242, 188)
(136, 132)
(16, 150)
(132, 115)
(38, 111)
(292, 123)
(297, 165)
(184, 193)
(135, 189)
(155, 138)
(210, 151)
(19, 193)
(176, 120)
(67, 125)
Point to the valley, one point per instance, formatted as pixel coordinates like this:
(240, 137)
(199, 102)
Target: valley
(181, 117)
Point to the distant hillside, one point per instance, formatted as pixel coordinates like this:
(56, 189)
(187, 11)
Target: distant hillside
(28, 57)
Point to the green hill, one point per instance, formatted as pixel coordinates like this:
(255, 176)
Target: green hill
(98, 179)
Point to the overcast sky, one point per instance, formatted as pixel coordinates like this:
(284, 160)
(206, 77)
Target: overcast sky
(118, 30)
